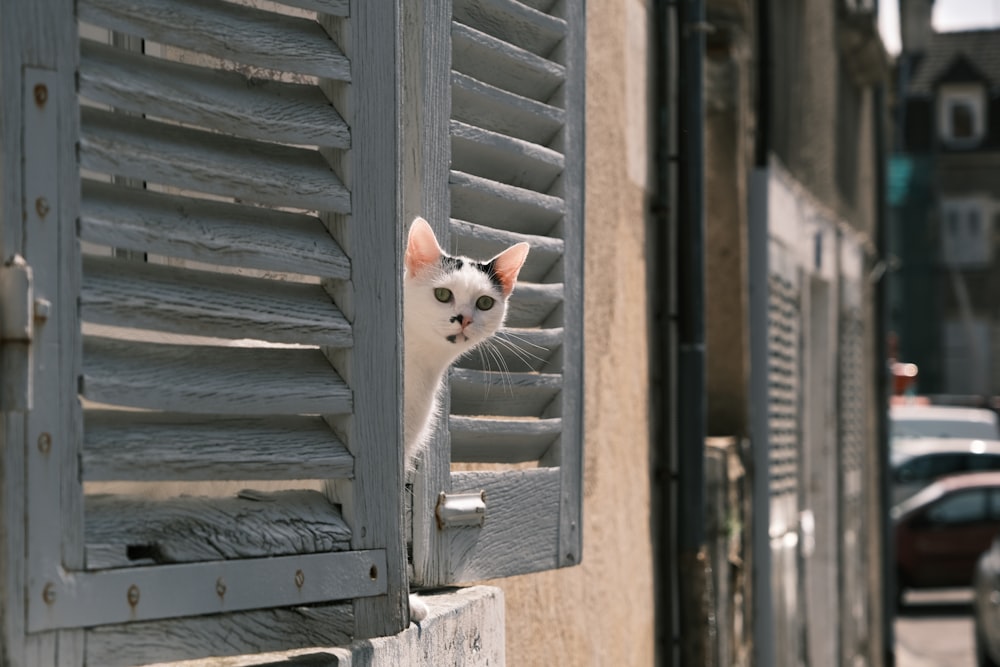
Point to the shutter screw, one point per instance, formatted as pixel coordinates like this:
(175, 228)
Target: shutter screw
(42, 207)
(49, 593)
(373, 573)
(41, 94)
(300, 578)
(133, 595)
(44, 443)
(220, 587)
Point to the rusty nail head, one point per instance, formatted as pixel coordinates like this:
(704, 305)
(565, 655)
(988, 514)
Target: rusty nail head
(44, 443)
(133, 595)
(49, 593)
(220, 587)
(43, 308)
(300, 578)
(42, 207)
(41, 94)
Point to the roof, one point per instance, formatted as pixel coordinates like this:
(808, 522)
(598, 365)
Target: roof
(979, 49)
(942, 412)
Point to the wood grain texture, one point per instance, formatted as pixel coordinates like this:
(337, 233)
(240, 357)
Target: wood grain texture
(490, 440)
(209, 379)
(520, 533)
(209, 231)
(209, 162)
(492, 108)
(122, 445)
(498, 63)
(504, 206)
(227, 30)
(131, 644)
(124, 531)
(188, 301)
(479, 241)
(504, 159)
(502, 394)
(219, 100)
(534, 304)
(513, 22)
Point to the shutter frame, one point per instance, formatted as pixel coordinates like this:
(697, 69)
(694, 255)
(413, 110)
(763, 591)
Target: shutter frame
(533, 517)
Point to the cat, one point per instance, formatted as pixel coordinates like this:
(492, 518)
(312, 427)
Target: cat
(451, 304)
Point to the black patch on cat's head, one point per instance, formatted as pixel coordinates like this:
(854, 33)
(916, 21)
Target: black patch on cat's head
(490, 269)
(449, 263)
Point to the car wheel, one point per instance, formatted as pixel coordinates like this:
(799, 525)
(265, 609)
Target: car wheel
(983, 658)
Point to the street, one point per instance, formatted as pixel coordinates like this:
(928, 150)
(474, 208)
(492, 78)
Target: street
(935, 630)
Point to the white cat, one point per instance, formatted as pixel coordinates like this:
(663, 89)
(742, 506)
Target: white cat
(450, 305)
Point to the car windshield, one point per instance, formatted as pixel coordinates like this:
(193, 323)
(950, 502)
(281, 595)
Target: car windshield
(942, 428)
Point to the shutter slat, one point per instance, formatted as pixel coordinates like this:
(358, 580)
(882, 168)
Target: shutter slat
(518, 349)
(501, 158)
(226, 30)
(504, 65)
(218, 100)
(502, 394)
(204, 303)
(123, 531)
(209, 231)
(154, 446)
(331, 7)
(209, 379)
(503, 206)
(486, 440)
(513, 22)
(208, 162)
(489, 107)
(475, 240)
(532, 304)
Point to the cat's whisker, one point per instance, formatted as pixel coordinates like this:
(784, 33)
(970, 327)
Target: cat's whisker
(503, 368)
(520, 353)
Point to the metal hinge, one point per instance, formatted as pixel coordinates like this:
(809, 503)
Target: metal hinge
(460, 509)
(16, 331)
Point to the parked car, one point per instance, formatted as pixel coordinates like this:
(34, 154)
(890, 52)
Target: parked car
(919, 461)
(986, 606)
(942, 421)
(941, 531)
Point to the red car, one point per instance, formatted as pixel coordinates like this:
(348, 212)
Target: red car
(941, 531)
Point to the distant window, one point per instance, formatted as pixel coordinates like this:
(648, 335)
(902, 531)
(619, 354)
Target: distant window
(961, 115)
(966, 242)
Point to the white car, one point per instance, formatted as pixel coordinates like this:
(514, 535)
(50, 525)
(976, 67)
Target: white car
(942, 421)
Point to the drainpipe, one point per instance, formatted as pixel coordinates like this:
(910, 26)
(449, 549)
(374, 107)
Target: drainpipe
(691, 399)
(677, 332)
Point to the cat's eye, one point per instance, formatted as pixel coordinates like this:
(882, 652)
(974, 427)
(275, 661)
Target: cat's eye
(442, 294)
(484, 302)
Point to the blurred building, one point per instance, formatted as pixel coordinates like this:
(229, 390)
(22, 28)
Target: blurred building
(945, 205)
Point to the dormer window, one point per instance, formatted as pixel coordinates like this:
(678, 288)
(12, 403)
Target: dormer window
(961, 116)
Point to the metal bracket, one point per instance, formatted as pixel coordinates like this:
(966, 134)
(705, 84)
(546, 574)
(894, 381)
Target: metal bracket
(16, 332)
(460, 509)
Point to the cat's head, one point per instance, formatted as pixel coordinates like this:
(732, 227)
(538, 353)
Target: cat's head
(459, 302)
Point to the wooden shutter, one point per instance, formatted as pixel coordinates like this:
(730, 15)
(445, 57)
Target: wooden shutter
(234, 316)
(501, 494)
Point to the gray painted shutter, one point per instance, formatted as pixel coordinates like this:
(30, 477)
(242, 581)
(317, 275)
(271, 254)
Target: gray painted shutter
(234, 316)
(502, 494)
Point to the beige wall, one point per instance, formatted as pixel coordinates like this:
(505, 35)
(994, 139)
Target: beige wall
(601, 612)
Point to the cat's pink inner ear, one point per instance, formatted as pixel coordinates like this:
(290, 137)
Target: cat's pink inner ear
(508, 264)
(422, 249)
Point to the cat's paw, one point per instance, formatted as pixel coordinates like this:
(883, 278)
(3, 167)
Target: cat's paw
(418, 608)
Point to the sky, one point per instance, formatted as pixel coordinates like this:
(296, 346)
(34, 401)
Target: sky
(948, 15)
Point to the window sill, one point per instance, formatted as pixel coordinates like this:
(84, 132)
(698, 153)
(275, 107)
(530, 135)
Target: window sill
(465, 626)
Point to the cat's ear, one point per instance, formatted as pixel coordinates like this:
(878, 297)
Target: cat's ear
(508, 264)
(422, 249)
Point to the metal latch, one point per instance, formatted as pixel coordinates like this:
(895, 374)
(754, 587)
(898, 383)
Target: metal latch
(16, 331)
(460, 509)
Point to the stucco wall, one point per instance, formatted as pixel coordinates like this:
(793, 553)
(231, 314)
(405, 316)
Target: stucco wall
(601, 612)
